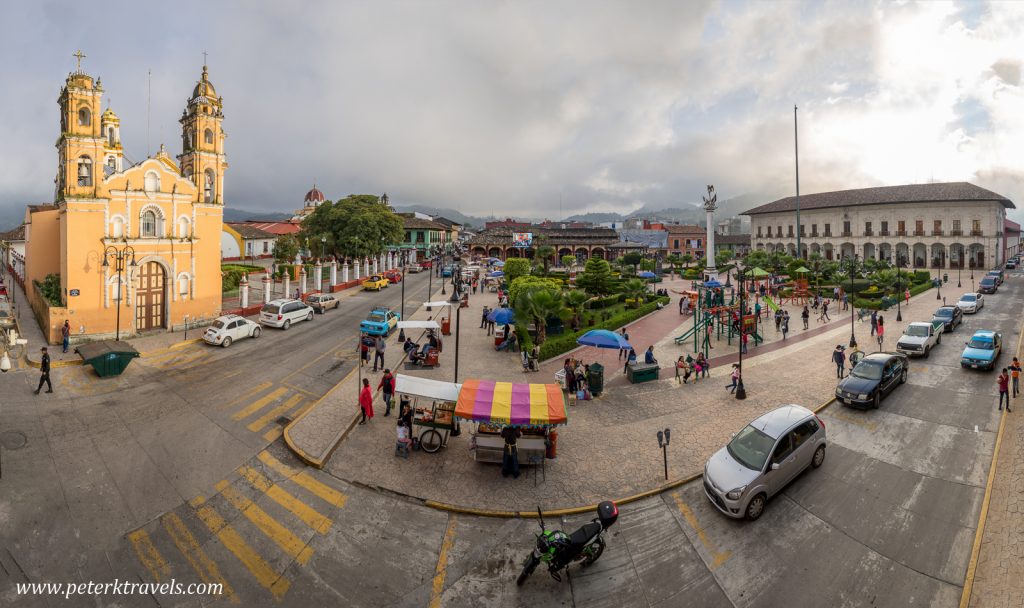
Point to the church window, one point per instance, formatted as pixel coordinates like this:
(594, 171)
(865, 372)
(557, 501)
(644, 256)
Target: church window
(208, 189)
(183, 284)
(84, 171)
(110, 136)
(152, 182)
(111, 167)
(117, 227)
(84, 117)
(183, 227)
(208, 136)
(148, 223)
(186, 140)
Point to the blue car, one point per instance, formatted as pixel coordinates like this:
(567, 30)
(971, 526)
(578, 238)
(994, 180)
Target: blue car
(983, 350)
(380, 322)
(446, 271)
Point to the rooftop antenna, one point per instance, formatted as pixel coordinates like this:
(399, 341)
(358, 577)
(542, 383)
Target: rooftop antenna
(149, 99)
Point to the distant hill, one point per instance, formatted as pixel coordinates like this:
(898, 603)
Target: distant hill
(693, 214)
(455, 216)
(241, 215)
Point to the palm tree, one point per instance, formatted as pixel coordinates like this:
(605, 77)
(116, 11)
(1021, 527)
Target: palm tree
(635, 289)
(544, 253)
(575, 300)
(674, 261)
(687, 259)
(539, 304)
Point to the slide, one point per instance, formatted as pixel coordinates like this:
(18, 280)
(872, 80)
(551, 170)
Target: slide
(770, 303)
(701, 326)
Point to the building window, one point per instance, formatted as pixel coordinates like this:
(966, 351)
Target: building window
(117, 227)
(937, 227)
(758, 236)
(956, 228)
(676, 241)
(208, 189)
(779, 230)
(183, 227)
(867, 229)
(803, 231)
(110, 136)
(790, 235)
(828, 229)
(901, 228)
(152, 182)
(975, 227)
(814, 230)
(769, 232)
(183, 285)
(918, 227)
(884, 231)
(148, 227)
(84, 171)
(208, 136)
(846, 228)
(84, 117)
(266, 247)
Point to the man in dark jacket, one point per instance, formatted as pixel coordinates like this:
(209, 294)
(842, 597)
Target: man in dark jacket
(44, 367)
(510, 456)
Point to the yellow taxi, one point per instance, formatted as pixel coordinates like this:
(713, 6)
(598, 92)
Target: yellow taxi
(375, 283)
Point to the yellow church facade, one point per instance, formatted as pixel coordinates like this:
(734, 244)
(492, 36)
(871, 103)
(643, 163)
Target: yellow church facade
(135, 242)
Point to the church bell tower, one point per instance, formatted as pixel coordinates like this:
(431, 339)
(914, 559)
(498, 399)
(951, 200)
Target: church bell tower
(80, 146)
(202, 158)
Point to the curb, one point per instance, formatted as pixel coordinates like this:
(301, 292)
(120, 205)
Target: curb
(671, 485)
(979, 532)
(312, 460)
(73, 362)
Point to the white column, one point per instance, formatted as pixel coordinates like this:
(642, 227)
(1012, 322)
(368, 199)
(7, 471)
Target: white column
(344, 272)
(287, 285)
(375, 269)
(412, 256)
(243, 286)
(302, 279)
(366, 267)
(334, 272)
(318, 277)
(711, 240)
(268, 283)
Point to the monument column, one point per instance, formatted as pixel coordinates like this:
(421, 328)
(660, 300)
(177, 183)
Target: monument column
(710, 272)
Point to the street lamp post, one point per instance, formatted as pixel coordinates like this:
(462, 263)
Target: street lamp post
(852, 270)
(430, 274)
(458, 323)
(938, 284)
(405, 261)
(899, 291)
(121, 257)
(741, 275)
(959, 267)
(972, 276)
(323, 246)
(663, 438)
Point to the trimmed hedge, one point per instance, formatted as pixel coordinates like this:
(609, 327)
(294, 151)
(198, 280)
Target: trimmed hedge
(922, 276)
(604, 302)
(245, 267)
(556, 346)
(876, 304)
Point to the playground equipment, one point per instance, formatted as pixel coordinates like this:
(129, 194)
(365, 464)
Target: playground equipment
(712, 315)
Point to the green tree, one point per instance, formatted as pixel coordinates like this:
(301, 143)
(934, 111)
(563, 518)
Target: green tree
(544, 254)
(632, 259)
(568, 261)
(673, 261)
(575, 300)
(515, 268)
(757, 259)
(540, 304)
(687, 259)
(356, 226)
(723, 257)
(285, 248)
(636, 290)
(596, 277)
(647, 265)
(525, 282)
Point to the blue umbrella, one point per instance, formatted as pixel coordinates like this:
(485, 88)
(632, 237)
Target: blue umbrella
(646, 274)
(496, 273)
(712, 283)
(501, 316)
(498, 263)
(493, 259)
(602, 338)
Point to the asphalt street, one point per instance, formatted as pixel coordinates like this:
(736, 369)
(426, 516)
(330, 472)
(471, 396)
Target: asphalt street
(177, 485)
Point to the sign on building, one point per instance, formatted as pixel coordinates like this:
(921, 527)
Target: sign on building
(522, 239)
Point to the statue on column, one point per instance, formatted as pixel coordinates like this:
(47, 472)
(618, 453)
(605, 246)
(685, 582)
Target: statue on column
(710, 204)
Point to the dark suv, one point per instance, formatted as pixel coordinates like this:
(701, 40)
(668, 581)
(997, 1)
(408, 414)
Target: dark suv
(951, 316)
(988, 284)
(874, 377)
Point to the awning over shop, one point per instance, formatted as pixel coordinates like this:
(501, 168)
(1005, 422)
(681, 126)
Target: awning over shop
(439, 303)
(418, 325)
(425, 387)
(511, 403)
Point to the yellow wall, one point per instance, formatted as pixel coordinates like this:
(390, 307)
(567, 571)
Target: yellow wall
(42, 244)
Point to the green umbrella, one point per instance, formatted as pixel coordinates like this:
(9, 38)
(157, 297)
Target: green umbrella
(802, 270)
(758, 272)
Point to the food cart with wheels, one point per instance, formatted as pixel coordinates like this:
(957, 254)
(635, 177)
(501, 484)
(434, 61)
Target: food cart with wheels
(433, 407)
(446, 323)
(535, 409)
(425, 327)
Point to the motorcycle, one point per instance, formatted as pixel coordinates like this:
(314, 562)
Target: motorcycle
(558, 549)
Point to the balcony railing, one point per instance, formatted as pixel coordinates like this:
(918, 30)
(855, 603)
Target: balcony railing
(919, 233)
(883, 233)
(869, 233)
(901, 233)
(827, 234)
(937, 232)
(976, 233)
(814, 233)
(847, 233)
(956, 233)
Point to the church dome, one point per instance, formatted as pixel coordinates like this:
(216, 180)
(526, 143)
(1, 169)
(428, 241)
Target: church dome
(204, 88)
(109, 116)
(314, 196)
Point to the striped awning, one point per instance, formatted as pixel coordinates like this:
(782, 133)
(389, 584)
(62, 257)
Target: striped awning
(511, 403)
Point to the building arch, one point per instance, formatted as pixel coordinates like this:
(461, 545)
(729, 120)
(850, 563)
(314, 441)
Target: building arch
(84, 117)
(902, 254)
(885, 252)
(183, 285)
(976, 255)
(938, 257)
(184, 227)
(598, 253)
(847, 250)
(919, 255)
(150, 278)
(209, 186)
(564, 251)
(869, 251)
(208, 136)
(828, 251)
(84, 170)
(151, 221)
(957, 256)
(117, 226)
(494, 252)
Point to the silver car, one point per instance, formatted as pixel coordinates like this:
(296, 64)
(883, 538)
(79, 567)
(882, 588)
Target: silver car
(762, 458)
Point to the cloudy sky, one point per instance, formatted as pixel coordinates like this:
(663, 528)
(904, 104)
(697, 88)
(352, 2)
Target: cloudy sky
(511, 107)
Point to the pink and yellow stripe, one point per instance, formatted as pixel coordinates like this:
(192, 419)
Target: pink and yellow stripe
(510, 403)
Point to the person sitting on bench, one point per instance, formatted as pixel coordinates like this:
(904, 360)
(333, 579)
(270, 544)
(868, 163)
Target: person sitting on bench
(510, 338)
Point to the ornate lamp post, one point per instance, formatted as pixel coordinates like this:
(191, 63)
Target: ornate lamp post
(323, 246)
(663, 440)
(972, 275)
(458, 323)
(852, 262)
(741, 275)
(121, 257)
(938, 283)
(405, 261)
(899, 291)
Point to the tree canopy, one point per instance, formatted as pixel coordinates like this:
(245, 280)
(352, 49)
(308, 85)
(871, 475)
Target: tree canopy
(515, 268)
(285, 248)
(355, 226)
(596, 277)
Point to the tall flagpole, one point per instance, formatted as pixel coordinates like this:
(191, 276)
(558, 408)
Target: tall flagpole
(796, 149)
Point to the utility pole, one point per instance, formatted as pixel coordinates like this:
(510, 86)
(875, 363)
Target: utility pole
(796, 150)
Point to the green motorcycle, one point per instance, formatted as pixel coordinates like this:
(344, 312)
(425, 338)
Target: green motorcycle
(558, 549)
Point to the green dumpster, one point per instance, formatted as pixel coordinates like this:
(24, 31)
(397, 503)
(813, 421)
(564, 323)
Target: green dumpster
(595, 380)
(108, 358)
(642, 372)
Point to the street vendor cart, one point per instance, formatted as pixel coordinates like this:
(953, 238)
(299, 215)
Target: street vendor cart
(535, 409)
(433, 407)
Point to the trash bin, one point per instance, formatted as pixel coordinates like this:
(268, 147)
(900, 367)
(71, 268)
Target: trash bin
(595, 379)
(560, 378)
(108, 358)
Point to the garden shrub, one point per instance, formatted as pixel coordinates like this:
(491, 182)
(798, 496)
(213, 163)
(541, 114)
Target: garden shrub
(559, 345)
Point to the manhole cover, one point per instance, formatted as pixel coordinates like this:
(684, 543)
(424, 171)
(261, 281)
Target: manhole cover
(13, 440)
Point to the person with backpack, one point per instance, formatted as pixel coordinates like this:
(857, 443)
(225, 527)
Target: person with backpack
(805, 316)
(839, 358)
(387, 389)
(1004, 392)
(1015, 376)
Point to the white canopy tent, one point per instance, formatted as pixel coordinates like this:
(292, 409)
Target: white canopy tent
(425, 387)
(439, 303)
(418, 325)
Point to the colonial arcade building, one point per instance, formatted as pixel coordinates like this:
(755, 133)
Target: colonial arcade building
(165, 215)
(945, 225)
(584, 243)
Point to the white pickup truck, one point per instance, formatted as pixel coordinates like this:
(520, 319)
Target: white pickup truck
(919, 338)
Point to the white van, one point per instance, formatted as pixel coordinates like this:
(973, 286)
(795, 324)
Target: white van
(283, 312)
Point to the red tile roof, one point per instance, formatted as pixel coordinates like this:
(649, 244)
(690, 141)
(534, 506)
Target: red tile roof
(286, 227)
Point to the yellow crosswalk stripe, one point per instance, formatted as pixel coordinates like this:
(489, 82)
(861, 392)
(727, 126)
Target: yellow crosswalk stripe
(273, 433)
(284, 538)
(259, 388)
(310, 516)
(274, 413)
(205, 567)
(259, 404)
(148, 555)
(275, 583)
(304, 479)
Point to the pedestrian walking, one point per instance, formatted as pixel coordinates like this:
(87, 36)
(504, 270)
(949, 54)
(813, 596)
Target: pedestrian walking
(757, 310)
(682, 304)
(778, 320)
(379, 346)
(65, 334)
(735, 376)
(624, 352)
(881, 331)
(510, 455)
(744, 337)
(366, 401)
(387, 389)
(839, 358)
(835, 293)
(1015, 376)
(805, 316)
(365, 342)
(1004, 392)
(846, 301)
(298, 293)
(906, 296)
(824, 312)
(483, 316)
(785, 325)
(44, 368)
(874, 322)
